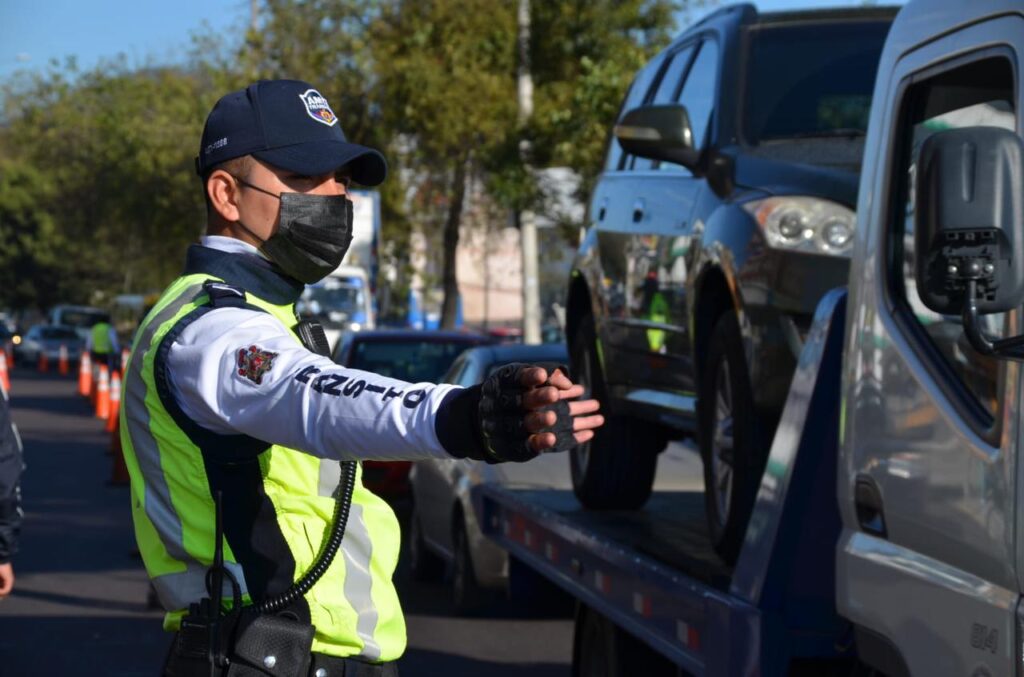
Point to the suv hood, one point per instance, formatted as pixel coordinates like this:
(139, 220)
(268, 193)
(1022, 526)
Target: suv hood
(838, 182)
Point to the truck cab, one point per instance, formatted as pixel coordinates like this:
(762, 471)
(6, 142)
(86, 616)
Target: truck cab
(929, 559)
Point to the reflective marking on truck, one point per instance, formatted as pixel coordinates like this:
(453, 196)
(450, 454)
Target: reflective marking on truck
(528, 538)
(687, 635)
(602, 582)
(550, 551)
(642, 604)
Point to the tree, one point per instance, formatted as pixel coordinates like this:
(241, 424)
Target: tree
(123, 199)
(446, 76)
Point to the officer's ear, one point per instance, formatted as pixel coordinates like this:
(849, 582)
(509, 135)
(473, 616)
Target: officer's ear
(222, 192)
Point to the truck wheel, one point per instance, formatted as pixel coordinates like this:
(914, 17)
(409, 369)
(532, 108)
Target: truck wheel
(615, 469)
(467, 595)
(730, 446)
(424, 565)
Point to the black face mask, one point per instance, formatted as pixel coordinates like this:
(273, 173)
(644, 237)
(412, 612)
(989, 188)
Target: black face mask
(313, 234)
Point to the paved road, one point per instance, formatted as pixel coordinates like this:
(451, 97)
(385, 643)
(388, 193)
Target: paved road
(79, 603)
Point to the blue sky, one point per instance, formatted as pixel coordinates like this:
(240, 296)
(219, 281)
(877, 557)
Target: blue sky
(32, 32)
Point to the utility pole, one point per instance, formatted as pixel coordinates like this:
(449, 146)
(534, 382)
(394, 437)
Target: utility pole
(527, 223)
(254, 15)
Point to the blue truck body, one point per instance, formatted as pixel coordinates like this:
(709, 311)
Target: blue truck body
(653, 573)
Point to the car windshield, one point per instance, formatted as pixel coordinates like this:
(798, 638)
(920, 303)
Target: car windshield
(57, 334)
(808, 80)
(83, 318)
(409, 360)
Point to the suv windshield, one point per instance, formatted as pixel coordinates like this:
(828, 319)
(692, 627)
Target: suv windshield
(83, 318)
(811, 79)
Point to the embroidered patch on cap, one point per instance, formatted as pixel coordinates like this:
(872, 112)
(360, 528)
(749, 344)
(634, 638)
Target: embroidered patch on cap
(253, 363)
(318, 108)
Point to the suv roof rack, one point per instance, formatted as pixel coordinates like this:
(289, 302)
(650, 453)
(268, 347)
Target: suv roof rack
(830, 13)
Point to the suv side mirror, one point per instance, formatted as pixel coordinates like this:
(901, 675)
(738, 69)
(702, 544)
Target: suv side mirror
(969, 229)
(661, 132)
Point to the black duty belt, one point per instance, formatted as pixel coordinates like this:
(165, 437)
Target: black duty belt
(323, 665)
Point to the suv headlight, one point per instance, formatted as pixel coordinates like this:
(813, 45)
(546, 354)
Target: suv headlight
(805, 224)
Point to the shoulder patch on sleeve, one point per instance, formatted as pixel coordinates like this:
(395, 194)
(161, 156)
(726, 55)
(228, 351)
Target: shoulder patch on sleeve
(253, 362)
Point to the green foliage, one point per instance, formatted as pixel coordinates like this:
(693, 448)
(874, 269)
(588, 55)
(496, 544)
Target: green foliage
(120, 190)
(97, 190)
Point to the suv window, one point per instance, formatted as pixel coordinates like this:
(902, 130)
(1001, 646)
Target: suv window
(697, 94)
(669, 85)
(637, 94)
(978, 94)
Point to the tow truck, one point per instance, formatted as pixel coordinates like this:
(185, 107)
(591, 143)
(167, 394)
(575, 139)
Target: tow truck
(887, 536)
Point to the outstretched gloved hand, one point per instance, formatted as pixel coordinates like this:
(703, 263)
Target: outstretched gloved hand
(518, 412)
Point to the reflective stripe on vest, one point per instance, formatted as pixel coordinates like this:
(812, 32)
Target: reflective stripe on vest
(354, 606)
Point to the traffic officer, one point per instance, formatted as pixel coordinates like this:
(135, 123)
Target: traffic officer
(228, 411)
(102, 343)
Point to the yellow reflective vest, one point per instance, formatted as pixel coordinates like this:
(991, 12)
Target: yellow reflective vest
(277, 503)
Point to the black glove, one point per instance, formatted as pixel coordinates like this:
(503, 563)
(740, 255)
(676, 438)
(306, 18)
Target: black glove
(487, 422)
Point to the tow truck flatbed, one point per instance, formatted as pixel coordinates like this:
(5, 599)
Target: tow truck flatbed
(653, 573)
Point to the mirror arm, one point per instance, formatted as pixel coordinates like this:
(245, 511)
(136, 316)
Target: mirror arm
(1008, 348)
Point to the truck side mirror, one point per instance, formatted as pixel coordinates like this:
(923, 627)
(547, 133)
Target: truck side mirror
(969, 229)
(661, 132)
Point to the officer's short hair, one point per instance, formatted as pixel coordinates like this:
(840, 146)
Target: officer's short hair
(239, 166)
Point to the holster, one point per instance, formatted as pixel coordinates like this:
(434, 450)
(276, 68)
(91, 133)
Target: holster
(269, 645)
(250, 646)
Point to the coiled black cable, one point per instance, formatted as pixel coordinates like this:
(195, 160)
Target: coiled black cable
(312, 336)
(328, 549)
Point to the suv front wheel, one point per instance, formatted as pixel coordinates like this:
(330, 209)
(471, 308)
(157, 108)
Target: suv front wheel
(729, 441)
(615, 469)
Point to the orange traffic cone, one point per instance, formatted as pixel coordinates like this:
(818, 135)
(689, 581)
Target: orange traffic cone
(103, 393)
(62, 365)
(84, 374)
(118, 471)
(5, 378)
(115, 401)
(125, 353)
(44, 364)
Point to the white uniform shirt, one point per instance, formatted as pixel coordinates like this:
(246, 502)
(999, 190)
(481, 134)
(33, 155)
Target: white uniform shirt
(303, 400)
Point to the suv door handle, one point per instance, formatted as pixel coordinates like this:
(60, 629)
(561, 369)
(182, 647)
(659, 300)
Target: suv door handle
(867, 500)
(638, 211)
(602, 210)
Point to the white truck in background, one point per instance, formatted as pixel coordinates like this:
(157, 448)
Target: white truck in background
(346, 299)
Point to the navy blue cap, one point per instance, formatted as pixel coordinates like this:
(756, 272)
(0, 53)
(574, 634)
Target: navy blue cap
(287, 124)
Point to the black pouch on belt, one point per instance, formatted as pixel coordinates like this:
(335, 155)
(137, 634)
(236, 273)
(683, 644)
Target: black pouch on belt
(271, 645)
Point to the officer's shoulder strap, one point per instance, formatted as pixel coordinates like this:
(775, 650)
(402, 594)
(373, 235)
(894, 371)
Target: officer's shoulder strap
(224, 295)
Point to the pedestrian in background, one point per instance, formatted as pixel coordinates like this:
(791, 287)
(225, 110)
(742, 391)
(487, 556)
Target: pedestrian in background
(11, 467)
(231, 406)
(102, 344)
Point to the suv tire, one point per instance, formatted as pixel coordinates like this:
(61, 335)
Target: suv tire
(615, 469)
(730, 445)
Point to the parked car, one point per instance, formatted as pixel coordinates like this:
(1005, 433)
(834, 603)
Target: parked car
(410, 355)
(724, 213)
(48, 339)
(80, 318)
(443, 531)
